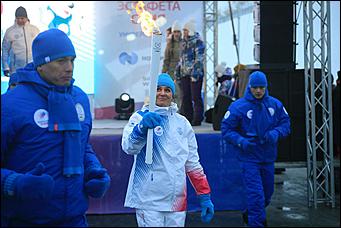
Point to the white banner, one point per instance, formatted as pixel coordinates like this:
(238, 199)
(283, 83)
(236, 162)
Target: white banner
(75, 18)
(122, 58)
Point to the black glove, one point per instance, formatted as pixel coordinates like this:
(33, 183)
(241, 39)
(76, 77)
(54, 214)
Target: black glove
(6, 73)
(33, 185)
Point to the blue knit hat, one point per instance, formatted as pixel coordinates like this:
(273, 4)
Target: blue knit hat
(257, 79)
(50, 45)
(166, 80)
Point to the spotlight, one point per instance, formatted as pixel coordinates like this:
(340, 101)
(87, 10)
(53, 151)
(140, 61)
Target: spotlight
(124, 106)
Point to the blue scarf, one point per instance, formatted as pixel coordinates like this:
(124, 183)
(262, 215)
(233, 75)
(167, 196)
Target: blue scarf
(63, 117)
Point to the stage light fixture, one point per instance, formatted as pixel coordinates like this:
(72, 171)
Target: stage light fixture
(124, 106)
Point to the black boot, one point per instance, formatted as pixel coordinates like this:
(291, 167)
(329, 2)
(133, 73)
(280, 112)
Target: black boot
(245, 218)
(196, 123)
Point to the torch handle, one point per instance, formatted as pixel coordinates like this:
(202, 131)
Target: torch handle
(149, 149)
(154, 71)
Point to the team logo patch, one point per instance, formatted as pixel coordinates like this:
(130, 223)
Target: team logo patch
(133, 120)
(272, 111)
(158, 130)
(41, 118)
(47, 59)
(227, 114)
(179, 130)
(80, 112)
(249, 114)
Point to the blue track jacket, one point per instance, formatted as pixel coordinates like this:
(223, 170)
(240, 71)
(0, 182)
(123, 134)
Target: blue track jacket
(251, 117)
(26, 141)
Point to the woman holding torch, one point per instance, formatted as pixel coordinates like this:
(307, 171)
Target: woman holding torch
(158, 190)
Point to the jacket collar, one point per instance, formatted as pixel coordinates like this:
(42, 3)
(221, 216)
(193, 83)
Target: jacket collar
(164, 111)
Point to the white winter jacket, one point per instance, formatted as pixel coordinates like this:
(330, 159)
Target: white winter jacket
(161, 186)
(17, 46)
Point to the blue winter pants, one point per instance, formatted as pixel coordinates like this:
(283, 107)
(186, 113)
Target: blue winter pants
(259, 184)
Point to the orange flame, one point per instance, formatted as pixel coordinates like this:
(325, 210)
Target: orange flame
(145, 18)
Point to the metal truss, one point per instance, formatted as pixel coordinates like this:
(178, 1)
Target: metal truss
(318, 103)
(211, 56)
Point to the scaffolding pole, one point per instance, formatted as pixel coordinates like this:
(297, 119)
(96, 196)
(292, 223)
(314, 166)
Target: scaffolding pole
(211, 52)
(318, 103)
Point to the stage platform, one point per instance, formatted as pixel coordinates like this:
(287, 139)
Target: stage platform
(115, 127)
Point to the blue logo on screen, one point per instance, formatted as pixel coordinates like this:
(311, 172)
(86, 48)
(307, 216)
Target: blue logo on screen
(59, 20)
(126, 58)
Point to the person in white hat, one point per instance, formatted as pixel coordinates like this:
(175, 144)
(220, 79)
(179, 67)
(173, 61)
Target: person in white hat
(190, 27)
(225, 79)
(17, 43)
(192, 74)
(172, 57)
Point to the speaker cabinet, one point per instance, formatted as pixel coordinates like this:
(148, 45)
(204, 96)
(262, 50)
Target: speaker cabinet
(276, 34)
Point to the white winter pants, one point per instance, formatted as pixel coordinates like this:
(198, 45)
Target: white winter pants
(147, 218)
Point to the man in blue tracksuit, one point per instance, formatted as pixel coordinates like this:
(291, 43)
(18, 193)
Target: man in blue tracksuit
(48, 168)
(253, 125)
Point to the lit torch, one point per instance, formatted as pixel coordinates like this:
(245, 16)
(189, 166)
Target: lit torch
(150, 28)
